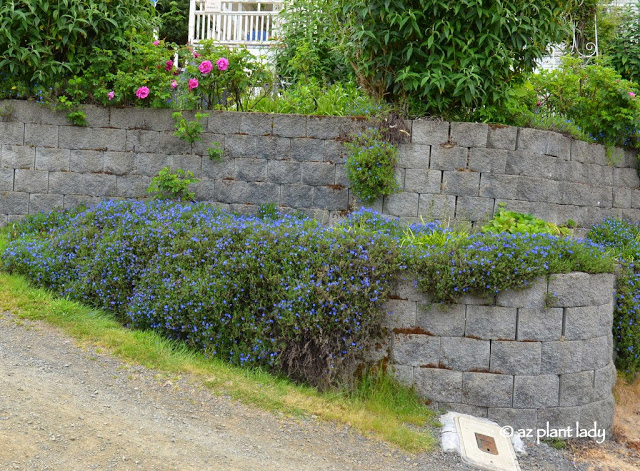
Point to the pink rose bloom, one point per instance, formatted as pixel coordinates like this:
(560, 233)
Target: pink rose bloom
(222, 63)
(632, 95)
(193, 83)
(196, 55)
(156, 42)
(174, 84)
(205, 67)
(169, 65)
(142, 92)
(111, 95)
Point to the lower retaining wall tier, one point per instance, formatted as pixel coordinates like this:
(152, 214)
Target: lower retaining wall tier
(511, 358)
(445, 170)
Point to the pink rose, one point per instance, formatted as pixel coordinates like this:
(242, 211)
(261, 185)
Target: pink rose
(222, 63)
(142, 92)
(174, 84)
(168, 65)
(156, 42)
(111, 95)
(193, 83)
(196, 55)
(632, 95)
(205, 67)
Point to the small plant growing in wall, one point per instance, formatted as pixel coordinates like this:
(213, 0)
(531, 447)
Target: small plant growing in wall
(370, 165)
(172, 186)
(191, 132)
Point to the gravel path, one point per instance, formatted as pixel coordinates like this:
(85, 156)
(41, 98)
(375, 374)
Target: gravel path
(67, 408)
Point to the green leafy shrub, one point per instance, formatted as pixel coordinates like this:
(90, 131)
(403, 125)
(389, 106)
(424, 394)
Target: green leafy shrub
(370, 165)
(440, 56)
(188, 131)
(514, 222)
(623, 50)
(174, 20)
(175, 186)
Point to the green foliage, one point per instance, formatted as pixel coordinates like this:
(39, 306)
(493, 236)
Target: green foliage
(370, 165)
(441, 57)
(623, 51)
(308, 47)
(174, 186)
(215, 152)
(189, 131)
(174, 20)
(514, 222)
(596, 99)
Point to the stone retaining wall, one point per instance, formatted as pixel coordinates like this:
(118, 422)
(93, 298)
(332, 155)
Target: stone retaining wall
(445, 170)
(511, 358)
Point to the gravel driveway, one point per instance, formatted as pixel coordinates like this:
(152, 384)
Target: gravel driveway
(63, 407)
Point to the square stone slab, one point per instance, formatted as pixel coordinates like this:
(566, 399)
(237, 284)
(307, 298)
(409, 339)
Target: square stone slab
(483, 446)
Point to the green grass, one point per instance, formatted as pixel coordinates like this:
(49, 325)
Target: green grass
(379, 406)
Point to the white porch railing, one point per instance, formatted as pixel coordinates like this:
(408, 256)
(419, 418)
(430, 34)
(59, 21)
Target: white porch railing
(248, 28)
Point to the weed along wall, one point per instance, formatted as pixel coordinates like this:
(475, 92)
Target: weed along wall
(445, 170)
(524, 358)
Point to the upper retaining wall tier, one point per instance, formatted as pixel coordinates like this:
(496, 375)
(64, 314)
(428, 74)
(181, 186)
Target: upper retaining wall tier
(510, 358)
(447, 170)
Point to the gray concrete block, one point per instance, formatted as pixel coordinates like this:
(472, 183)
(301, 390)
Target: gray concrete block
(240, 146)
(430, 132)
(586, 152)
(173, 145)
(535, 392)
(334, 151)
(597, 352)
(541, 324)
(488, 160)
(487, 389)
(31, 112)
(423, 181)
(278, 148)
(516, 418)
(132, 186)
(448, 158)
(598, 174)
(289, 125)
(43, 203)
(15, 218)
(626, 177)
(307, 150)
(340, 176)
(118, 163)
(331, 198)
(14, 203)
(11, 133)
(238, 192)
(460, 183)
(605, 380)
(6, 179)
(600, 415)
(629, 214)
(470, 134)
(491, 322)
(559, 145)
(147, 119)
(296, 196)
(533, 140)
(531, 296)
(283, 171)
(40, 135)
(473, 300)
(205, 190)
(443, 320)
(31, 181)
(223, 122)
(515, 358)
(407, 289)
(99, 185)
(532, 165)
(464, 354)
(399, 176)
(251, 170)
(66, 183)
(587, 322)
(404, 374)
(439, 384)
(470, 208)
(415, 156)
(86, 161)
(209, 141)
(539, 189)
(401, 313)
(97, 116)
(502, 137)
(73, 201)
(318, 173)
(192, 163)
(416, 350)
(23, 157)
(226, 169)
(576, 389)
(570, 289)
(616, 157)
(256, 124)
(402, 204)
(468, 409)
(72, 137)
(52, 159)
(432, 207)
(622, 197)
(324, 127)
(498, 186)
(562, 356)
(556, 418)
(582, 194)
(150, 164)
